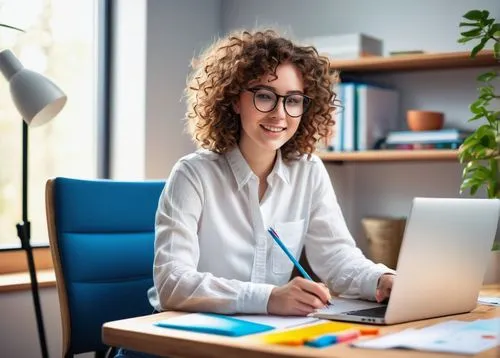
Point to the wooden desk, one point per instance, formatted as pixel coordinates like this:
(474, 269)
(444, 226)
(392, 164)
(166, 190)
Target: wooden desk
(141, 335)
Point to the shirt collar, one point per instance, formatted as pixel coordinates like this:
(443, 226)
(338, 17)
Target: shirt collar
(242, 171)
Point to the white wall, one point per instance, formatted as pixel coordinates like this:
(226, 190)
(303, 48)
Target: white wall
(156, 40)
(177, 30)
(19, 338)
(403, 25)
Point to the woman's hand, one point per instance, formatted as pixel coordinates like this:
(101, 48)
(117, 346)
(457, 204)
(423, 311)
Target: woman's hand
(384, 287)
(298, 297)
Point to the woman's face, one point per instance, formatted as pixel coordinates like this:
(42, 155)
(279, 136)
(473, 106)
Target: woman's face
(266, 130)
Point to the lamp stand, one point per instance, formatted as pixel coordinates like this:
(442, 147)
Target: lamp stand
(24, 234)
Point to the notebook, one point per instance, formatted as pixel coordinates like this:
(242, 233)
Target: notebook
(441, 264)
(214, 324)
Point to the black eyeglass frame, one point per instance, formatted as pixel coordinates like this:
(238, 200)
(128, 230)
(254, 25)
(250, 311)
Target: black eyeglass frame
(307, 103)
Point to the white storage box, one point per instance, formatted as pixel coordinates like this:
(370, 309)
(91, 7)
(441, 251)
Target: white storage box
(349, 46)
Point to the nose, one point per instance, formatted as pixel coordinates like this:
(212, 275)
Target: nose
(279, 111)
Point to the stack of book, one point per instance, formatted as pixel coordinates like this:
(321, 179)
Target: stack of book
(366, 114)
(436, 139)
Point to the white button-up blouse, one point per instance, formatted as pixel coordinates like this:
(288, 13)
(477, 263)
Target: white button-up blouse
(212, 249)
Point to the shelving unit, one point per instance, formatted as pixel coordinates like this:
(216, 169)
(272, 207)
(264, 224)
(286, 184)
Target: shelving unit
(421, 62)
(390, 156)
(402, 63)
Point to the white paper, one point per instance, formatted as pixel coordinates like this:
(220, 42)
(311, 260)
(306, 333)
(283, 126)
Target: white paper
(457, 337)
(278, 321)
(490, 301)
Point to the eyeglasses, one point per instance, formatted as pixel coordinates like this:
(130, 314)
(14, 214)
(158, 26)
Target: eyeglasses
(265, 101)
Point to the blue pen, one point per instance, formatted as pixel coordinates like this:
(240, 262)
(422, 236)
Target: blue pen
(290, 256)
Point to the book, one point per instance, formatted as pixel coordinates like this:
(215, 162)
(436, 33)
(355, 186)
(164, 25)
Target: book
(434, 136)
(214, 323)
(417, 146)
(377, 112)
(348, 98)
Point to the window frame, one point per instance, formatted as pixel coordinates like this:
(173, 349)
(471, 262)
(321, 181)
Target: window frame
(13, 258)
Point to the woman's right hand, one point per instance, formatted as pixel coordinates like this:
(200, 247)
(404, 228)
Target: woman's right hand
(299, 297)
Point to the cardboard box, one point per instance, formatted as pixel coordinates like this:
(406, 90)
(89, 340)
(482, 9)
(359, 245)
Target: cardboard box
(348, 46)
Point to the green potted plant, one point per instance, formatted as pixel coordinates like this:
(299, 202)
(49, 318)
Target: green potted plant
(480, 152)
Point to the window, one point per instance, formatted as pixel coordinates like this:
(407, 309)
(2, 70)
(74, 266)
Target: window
(59, 42)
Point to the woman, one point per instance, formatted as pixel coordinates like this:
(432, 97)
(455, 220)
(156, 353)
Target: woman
(257, 106)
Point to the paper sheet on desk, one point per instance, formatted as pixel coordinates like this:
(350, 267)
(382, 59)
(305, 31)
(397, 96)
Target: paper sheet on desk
(279, 321)
(490, 301)
(451, 337)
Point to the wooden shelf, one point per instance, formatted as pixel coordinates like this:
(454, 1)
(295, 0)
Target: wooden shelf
(426, 61)
(390, 156)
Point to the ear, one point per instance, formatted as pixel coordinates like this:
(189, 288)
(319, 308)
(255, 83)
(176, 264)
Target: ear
(236, 106)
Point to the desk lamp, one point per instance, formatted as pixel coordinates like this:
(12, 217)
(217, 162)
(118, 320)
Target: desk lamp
(38, 100)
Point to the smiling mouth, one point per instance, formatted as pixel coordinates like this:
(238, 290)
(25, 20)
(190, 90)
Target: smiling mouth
(272, 128)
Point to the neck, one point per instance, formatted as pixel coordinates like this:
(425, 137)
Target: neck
(261, 163)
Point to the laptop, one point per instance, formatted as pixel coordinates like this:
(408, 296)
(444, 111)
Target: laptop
(441, 264)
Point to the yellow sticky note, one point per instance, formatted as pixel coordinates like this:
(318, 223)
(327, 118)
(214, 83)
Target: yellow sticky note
(302, 334)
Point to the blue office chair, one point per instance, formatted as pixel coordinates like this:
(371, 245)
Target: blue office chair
(101, 236)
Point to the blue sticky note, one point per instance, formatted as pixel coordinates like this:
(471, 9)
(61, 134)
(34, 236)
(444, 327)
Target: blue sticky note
(214, 324)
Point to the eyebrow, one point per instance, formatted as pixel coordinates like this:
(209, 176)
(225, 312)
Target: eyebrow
(271, 88)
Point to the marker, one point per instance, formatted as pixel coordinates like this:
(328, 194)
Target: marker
(369, 331)
(347, 337)
(322, 341)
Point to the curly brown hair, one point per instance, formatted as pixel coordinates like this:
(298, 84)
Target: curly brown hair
(229, 64)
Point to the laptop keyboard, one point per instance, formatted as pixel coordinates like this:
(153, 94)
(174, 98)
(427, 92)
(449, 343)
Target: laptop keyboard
(376, 312)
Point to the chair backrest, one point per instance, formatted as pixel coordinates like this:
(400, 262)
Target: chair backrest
(101, 235)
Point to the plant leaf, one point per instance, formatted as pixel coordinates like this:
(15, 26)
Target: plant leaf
(478, 48)
(468, 24)
(477, 107)
(494, 28)
(488, 76)
(467, 39)
(473, 15)
(496, 50)
(476, 117)
(474, 32)
(489, 22)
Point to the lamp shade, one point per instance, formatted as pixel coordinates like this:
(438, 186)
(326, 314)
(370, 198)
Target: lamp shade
(37, 98)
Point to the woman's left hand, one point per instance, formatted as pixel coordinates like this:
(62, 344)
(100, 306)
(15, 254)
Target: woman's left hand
(384, 287)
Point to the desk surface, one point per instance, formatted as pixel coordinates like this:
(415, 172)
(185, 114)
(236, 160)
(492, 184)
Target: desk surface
(140, 334)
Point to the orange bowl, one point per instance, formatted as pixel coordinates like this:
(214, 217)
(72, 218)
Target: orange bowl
(424, 120)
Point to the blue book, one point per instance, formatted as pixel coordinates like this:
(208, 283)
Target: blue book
(436, 136)
(214, 324)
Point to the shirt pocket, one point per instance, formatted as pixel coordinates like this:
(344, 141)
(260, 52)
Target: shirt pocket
(291, 234)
